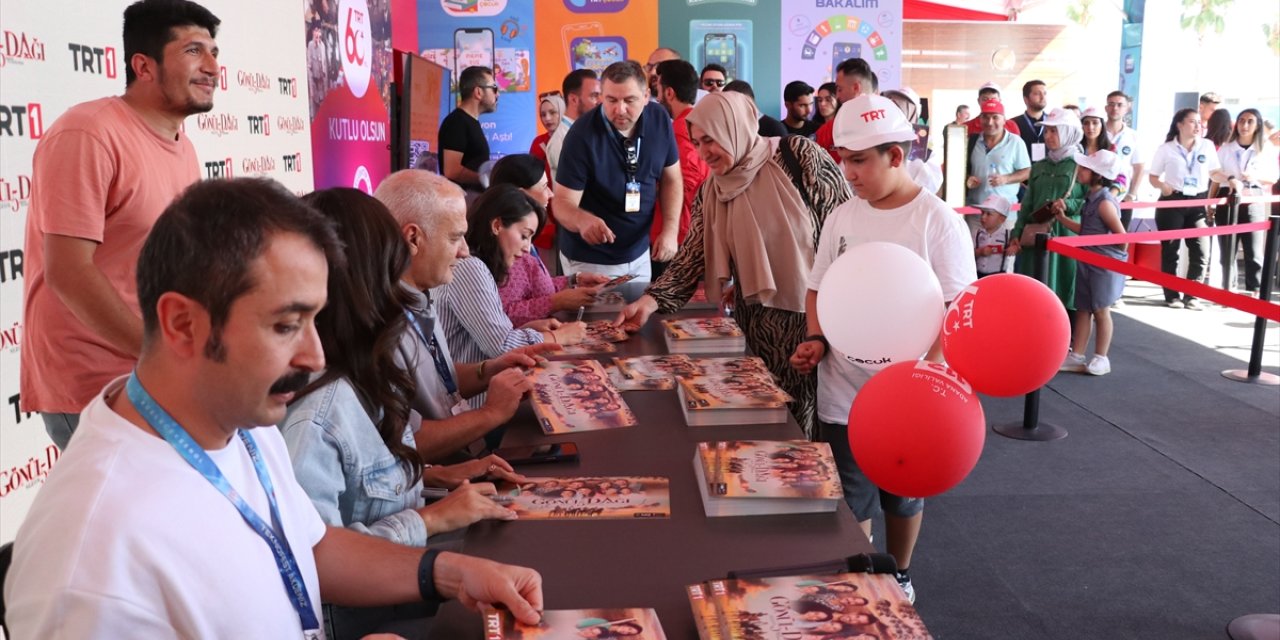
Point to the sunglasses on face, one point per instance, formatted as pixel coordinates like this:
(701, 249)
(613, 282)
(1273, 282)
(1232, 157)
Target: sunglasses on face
(712, 83)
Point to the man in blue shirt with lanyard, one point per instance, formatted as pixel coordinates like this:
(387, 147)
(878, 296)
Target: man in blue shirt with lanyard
(1036, 97)
(174, 515)
(617, 160)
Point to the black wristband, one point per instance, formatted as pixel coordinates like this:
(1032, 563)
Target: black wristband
(427, 576)
(820, 338)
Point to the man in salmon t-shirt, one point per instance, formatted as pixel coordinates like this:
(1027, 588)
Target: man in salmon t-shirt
(101, 175)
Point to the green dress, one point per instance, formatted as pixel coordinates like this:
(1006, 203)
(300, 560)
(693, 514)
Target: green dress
(1049, 181)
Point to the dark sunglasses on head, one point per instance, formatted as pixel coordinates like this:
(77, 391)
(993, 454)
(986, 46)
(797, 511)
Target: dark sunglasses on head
(542, 96)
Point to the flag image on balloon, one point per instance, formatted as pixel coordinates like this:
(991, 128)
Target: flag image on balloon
(1006, 334)
(878, 304)
(916, 429)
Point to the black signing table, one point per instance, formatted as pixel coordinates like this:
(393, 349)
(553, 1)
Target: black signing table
(647, 563)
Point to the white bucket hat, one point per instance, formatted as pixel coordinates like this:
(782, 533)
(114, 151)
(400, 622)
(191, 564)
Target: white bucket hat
(1101, 162)
(869, 121)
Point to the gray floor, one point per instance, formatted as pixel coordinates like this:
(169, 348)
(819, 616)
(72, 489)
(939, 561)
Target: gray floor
(1157, 517)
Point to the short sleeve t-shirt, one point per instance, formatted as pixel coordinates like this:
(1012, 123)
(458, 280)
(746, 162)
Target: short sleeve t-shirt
(103, 174)
(128, 540)
(927, 226)
(462, 133)
(1186, 171)
(593, 161)
(1009, 155)
(807, 129)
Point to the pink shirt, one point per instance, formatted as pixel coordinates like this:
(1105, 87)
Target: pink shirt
(526, 295)
(102, 174)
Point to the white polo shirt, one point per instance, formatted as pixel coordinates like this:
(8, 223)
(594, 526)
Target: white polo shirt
(1186, 171)
(1261, 167)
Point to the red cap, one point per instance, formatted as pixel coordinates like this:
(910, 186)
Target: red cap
(992, 106)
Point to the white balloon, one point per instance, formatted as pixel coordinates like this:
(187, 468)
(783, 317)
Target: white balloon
(879, 304)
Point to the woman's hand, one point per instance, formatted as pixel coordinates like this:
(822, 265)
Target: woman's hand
(463, 506)
(592, 279)
(546, 324)
(569, 333)
(634, 315)
(452, 475)
(572, 298)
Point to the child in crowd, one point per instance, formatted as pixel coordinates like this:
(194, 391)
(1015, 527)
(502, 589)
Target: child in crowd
(991, 248)
(874, 139)
(1096, 288)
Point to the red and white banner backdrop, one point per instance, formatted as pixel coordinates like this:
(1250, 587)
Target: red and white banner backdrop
(57, 53)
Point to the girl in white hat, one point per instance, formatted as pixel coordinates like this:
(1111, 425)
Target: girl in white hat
(1096, 288)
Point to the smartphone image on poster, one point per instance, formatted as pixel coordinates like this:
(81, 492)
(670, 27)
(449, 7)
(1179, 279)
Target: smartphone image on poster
(597, 52)
(472, 48)
(722, 49)
(570, 33)
(841, 51)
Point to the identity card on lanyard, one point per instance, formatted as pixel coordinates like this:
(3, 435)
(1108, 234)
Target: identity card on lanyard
(1191, 181)
(631, 162)
(428, 336)
(175, 435)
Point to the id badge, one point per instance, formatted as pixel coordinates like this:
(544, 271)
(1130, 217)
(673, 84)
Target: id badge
(1037, 151)
(459, 406)
(633, 197)
(1190, 186)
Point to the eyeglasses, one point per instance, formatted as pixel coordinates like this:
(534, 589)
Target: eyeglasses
(712, 83)
(490, 86)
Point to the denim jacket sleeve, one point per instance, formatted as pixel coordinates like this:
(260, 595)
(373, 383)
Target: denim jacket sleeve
(347, 471)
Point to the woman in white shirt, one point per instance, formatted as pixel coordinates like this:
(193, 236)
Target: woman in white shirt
(1250, 166)
(1180, 169)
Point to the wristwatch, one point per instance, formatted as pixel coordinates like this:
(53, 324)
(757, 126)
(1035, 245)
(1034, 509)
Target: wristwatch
(820, 338)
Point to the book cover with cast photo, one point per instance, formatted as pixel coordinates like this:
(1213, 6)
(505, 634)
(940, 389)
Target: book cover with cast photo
(576, 395)
(589, 498)
(576, 624)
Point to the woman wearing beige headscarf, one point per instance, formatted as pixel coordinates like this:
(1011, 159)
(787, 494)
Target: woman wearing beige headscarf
(756, 221)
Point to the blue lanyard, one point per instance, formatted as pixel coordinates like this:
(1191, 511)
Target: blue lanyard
(174, 434)
(1248, 157)
(442, 365)
(1190, 157)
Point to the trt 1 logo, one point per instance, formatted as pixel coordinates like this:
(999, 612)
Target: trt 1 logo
(90, 59)
(20, 121)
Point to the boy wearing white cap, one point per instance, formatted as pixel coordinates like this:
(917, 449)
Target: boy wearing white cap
(873, 139)
(1096, 288)
(991, 247)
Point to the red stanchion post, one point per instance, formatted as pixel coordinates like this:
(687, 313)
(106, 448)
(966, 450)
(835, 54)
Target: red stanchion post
(1031, 428)
(1254, 374)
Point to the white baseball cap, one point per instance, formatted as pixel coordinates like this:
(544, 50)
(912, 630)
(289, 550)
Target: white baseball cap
(1093, 112)
(906, 92)
(869, 121)
(1060, 116)
(989, 85)
(997, 203)
(1101, 162)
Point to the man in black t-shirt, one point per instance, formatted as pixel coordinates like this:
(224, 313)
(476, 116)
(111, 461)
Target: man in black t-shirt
(463, 146)
(798, 97)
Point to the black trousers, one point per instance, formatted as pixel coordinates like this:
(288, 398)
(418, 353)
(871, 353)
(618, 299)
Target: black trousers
(1252, 244)
(1174, 219)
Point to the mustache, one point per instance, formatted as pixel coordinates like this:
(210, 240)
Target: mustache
(291, 383)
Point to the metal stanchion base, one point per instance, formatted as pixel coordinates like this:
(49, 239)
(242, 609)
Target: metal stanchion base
(1043, 432)
(1241, 375)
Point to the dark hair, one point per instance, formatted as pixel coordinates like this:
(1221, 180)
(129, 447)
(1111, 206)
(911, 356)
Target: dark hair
(1121, 94)
(1099, 179)
(205, 243)
(795, 90)
(1259, 136)
(149, 24)
(884, 147)
(573, 82)
(624, 70)
(741, 86)
(1104, 140)
(963, 107)
(1209, 97)
(1219, 127)
(829, 87)
(1029, 85)
(361, 326)
(859, 68)
(520, 169)
(1177, 119)
(713, 67)
(503, 202)
(471, 79)
(680, 77)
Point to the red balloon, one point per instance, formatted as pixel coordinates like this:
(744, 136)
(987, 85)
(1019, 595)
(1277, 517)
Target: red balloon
(1006, 334)
(916, 429)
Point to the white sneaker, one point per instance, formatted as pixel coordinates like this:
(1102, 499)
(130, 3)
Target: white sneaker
(1099, 366)
(1074, 363)
(907, 588)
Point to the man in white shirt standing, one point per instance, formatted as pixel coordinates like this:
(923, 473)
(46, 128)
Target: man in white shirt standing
(177, 516)
(581, 91)
(1125, 139)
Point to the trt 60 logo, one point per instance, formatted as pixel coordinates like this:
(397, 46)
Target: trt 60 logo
(16, 192)
(259, 125)
(218, 169)
(288, 86)
(90, 59)
(19, 47)
(22, 121)
(293, 163)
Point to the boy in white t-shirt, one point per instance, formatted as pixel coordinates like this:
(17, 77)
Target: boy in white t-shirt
(991, 248)
(873, 140)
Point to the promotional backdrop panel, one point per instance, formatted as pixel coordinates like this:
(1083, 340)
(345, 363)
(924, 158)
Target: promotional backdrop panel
(348, 52)
(817, 35)
(576, 34)
(493, 33)
(58, 53)
(740, 35)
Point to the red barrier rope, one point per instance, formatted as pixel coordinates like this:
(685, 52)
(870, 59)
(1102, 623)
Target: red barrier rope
(1158, 204)
(1072, 247)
